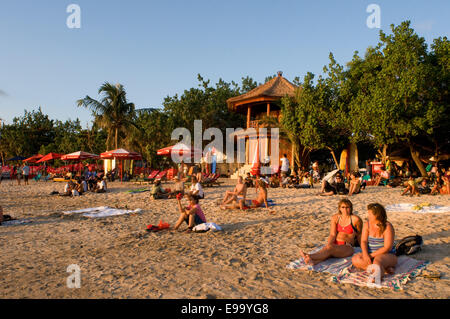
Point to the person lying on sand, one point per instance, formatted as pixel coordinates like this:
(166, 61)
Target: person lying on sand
(342, 239)
(377, 244)
(239, 192)
(192, 214)
(4, 218)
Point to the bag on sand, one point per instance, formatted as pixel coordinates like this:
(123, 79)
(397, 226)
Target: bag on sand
(409, 245)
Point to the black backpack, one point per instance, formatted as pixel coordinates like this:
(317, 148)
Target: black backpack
(409, 245)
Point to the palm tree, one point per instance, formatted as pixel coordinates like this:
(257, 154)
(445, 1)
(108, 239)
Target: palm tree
(112, 112)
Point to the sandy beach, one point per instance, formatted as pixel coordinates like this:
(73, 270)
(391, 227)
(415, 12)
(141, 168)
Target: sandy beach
(119, 259)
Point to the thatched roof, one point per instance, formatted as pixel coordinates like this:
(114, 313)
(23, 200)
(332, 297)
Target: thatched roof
(274, 89)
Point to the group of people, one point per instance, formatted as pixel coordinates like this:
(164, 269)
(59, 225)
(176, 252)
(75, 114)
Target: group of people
(19, 172)
(334, 184)
(375, 236)
(95, 184)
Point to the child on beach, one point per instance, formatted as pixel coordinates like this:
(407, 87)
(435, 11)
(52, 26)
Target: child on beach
(192, 214)
(342, 239)
(377, 244)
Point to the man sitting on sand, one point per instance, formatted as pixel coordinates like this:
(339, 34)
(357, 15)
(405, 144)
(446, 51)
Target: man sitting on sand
(261, 188)
(157, 191)
(337, 187)
(239, 192)
(342, 239)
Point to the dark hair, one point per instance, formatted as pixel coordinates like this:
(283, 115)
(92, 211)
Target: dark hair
(380, 215)
(192, 198)
(345, 201)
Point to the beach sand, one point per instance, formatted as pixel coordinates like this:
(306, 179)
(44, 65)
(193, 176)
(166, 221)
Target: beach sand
(119, 259)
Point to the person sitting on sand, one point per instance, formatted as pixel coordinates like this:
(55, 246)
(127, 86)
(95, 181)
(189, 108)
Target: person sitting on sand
(285, 180)
(337, 187)
(260, 199)
(423, 187)
(354, 185)
(384, 175)
(249, 181)
(68, 189)
(101, 186)
(377, 243)
(178, 188)
(412, 186)
(192, 214)
(157, 192)
(79, 186)
(275, 181)
(305, 181)
(342, 239)
(239, 192)
(438, 183)
(196, 189)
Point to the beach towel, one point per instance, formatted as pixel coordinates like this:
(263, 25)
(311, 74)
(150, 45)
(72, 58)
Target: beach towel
(15, 222)
(331, 265)
(417, 208)
(103, 211)
(207, 226)
(141, 190)
(406, 269)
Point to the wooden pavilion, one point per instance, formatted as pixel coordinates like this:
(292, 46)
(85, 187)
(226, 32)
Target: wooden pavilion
(258, 104)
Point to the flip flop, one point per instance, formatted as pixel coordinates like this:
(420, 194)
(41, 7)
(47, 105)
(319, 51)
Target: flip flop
(152, 228)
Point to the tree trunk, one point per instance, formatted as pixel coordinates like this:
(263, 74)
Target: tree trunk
(383, 152)
(334, 157)
(116, 137)
(416, 157)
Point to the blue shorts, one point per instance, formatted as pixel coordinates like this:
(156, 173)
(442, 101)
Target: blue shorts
(197, 220)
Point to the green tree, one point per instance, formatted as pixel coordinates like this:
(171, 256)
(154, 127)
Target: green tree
(112, 113)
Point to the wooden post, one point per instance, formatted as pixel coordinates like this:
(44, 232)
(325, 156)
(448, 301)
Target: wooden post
(248, 116)
(268, 109)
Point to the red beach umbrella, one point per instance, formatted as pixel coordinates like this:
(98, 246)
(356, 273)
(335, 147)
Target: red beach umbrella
(49, 157)
(180, 149)
(79, 156)
(33, 159)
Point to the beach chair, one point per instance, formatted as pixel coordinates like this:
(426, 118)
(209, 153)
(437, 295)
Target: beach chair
(160, 175)
(210, 182)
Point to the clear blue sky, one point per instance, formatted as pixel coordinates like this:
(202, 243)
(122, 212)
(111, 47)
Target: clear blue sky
(157, 48)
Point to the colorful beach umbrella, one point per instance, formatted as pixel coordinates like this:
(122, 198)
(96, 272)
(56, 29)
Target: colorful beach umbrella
(79, 156)
(121, 154)
(49, 157)
(180, 149)
(34, 158)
